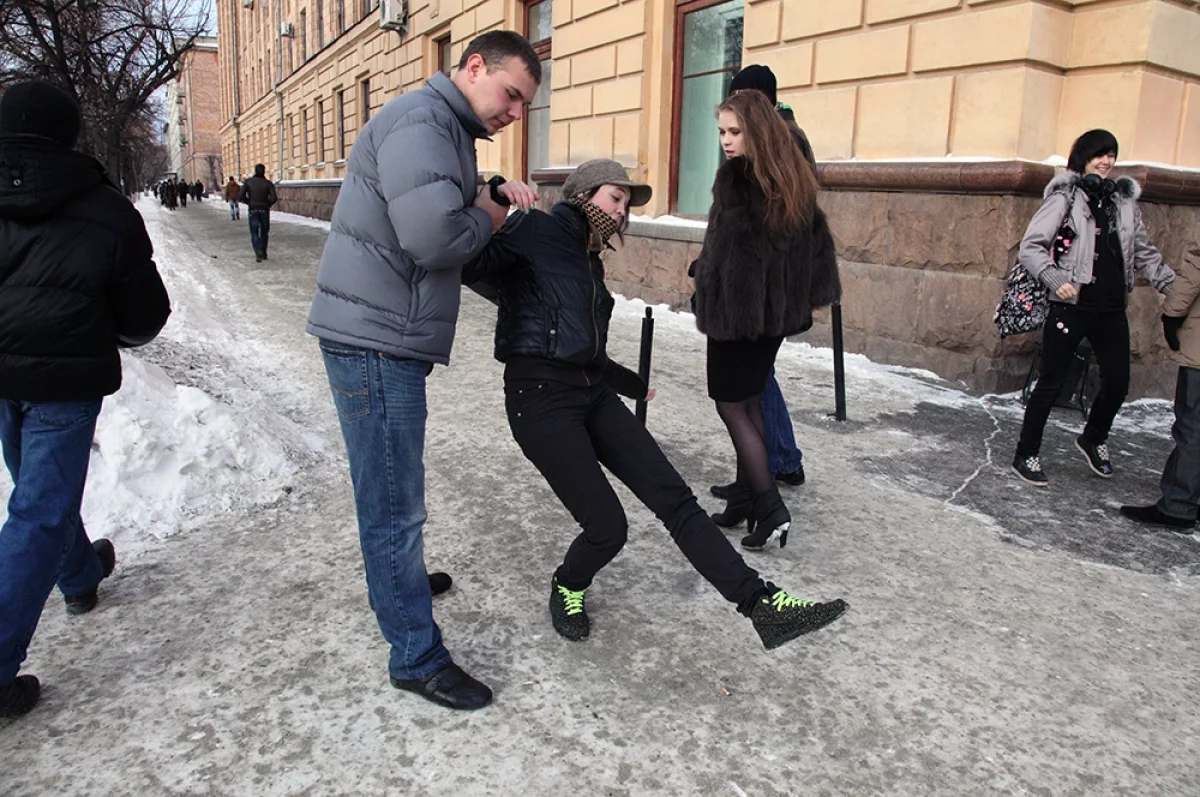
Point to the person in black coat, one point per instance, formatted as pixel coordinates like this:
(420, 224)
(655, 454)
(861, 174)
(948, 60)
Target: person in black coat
(561, 396)
(76, 282)
(765, 264)
(259, 195)
(785, 458)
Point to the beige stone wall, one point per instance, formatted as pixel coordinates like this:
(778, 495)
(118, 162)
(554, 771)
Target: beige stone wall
(390, 63)
(873, 79)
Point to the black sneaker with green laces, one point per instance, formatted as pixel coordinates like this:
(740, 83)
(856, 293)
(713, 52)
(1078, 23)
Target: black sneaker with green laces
(567, 613)
(779, 618)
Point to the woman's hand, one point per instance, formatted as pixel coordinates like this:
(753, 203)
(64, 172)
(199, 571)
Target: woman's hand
(650, 395)
(519, 194)
(1066, 291)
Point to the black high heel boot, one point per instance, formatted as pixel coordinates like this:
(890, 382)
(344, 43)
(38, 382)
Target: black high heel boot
(738, 506)
(768, 518)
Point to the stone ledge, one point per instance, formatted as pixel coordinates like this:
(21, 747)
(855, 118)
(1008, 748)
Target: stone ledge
(1018, 178)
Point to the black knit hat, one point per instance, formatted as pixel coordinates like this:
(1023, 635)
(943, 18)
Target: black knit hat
(40, 109)
(757, 77)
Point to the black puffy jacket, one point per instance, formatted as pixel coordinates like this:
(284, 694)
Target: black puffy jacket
(553, 303)
(76, 275)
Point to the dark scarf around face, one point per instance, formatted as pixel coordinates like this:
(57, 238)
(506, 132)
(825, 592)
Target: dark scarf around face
(1100, 192)
(601, 226)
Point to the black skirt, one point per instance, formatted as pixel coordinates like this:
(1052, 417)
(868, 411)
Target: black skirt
(738, 369)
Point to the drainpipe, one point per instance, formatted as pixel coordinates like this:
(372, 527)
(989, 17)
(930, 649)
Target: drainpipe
(237, 99)
(279, 79)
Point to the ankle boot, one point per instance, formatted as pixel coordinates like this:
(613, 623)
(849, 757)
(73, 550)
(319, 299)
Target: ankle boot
(769, 517)
(738, 506)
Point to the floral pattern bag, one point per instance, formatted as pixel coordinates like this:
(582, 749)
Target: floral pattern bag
(1026, 301)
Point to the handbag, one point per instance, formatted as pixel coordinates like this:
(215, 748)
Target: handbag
(1026, 300)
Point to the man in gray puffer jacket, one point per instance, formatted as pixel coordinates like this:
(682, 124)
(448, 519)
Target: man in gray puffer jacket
(408, 217)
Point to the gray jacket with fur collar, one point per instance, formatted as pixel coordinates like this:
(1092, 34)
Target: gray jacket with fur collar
(1065, 192)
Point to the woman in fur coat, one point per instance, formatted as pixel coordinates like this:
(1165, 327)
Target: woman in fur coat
(768, 259)
(1089, 288)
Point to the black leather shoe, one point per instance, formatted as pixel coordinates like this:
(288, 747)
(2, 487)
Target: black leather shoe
(793, 479)
(82, 604)
(1153, 516)
(722, 491)
(450, 687)
(20, 696)
(439, 583)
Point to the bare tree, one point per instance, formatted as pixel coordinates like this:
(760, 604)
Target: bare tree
(111, 55)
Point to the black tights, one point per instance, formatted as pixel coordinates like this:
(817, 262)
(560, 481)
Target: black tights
(744, 420)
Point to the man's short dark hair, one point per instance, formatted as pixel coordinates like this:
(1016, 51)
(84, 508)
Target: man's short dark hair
(260, 170)
(1091, 144)
(497, 46)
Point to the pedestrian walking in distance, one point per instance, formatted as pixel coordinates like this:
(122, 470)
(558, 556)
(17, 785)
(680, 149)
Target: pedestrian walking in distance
(258, 193)
(232, 192)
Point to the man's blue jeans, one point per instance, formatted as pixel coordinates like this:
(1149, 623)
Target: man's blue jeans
(782, 452)
(47, 446)
(260, 230)
(381, 406)
(235, 211)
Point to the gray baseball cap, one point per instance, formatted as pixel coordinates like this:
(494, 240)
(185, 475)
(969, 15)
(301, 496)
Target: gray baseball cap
(590, 175)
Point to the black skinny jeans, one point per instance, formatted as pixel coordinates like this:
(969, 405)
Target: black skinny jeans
(1066, 326)
(568, 432)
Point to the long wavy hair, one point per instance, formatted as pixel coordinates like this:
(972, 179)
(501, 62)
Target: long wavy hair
(775, 161)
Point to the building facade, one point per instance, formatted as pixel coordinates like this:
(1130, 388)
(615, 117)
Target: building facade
(942, 109)
(194, 116)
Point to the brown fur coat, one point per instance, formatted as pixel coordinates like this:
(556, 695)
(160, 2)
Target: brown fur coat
(751, 284)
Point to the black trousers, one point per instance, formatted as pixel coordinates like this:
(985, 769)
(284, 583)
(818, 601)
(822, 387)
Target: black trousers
(568, 432)
(1066, 326)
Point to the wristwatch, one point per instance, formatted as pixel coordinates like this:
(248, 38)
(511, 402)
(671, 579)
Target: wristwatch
(493, 186)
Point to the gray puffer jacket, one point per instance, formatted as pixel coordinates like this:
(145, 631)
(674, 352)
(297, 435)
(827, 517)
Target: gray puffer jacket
(403, 227)
(1075, 266)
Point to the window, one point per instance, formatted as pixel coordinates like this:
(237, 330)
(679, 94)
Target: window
(320, 131)
(341, 124)
(365, 94)
(320, 24)
(292, 149)
(442, 51)
(709, 49)
(303, 35)
(341, 15)
(539, 29)
(304, 133)
(369, 5)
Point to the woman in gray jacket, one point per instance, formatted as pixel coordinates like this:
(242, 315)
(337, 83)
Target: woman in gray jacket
(1089, 288)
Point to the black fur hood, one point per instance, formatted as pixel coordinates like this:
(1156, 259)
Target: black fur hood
(751, 283)
(1127, 187)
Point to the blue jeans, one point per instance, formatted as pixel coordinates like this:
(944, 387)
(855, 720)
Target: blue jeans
(380, 402)
(235, 210)
(260, 230)
(782, 452)
(47, 446)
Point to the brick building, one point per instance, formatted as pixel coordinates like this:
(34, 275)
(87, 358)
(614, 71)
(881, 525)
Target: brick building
(194, 116)
(933, 120)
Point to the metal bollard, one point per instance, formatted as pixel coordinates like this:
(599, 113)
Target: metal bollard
(644, 359)
(839, 363)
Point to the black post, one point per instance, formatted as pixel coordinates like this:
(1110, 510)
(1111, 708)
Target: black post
(839, 364)
(644, 359)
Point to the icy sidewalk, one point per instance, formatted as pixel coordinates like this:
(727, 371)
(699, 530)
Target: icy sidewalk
(1001, 640)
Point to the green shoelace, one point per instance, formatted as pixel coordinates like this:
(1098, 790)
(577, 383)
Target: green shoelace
(572, 600)
(781, 600)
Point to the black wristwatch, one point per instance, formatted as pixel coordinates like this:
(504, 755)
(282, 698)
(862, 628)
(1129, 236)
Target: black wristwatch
(493, 186)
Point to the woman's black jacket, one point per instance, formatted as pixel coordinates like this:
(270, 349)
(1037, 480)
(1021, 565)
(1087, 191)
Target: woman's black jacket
(554, 306)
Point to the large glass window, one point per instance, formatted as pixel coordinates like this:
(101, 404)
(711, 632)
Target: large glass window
(539, 29)
(712, 54)
(365, 99)
(341, 125)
